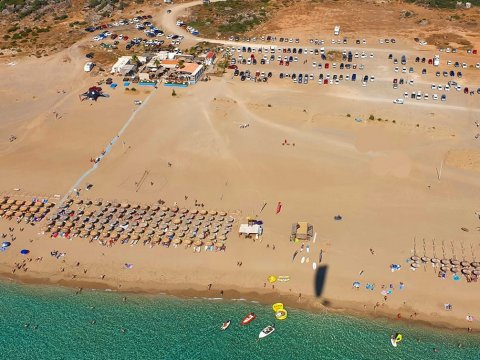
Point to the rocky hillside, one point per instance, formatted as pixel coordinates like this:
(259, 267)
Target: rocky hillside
(40, 27)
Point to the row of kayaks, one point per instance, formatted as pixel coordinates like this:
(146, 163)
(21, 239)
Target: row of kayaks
(247, 320)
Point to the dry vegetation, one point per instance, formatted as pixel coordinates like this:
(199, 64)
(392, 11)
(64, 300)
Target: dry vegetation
(233, 17)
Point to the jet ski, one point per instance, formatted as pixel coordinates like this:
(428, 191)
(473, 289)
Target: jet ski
(225, 325)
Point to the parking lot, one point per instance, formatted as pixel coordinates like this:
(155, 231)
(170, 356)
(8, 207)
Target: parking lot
(377, 72)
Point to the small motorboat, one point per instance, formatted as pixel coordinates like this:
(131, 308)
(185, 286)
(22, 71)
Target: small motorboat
(248, 319)
(267, 331)
(225, 325)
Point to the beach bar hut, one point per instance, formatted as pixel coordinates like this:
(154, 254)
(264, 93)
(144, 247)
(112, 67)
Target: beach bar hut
(250, 229)
(301, 231)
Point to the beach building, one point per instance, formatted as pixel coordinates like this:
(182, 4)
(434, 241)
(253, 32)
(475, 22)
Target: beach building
(121, 63)
(194, 72)
(165, 55)
(169, 64)
(124, 65)
(301, 231)
(210, 58)
(252, 228)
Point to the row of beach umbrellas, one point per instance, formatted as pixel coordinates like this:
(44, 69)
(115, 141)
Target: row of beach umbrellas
(455, 266)
(124, 221)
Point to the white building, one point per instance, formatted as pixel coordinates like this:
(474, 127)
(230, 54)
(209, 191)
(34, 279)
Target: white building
(120, 64)
(124, 64)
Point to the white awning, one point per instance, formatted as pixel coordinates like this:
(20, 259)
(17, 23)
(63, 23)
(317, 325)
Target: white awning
(250, 229)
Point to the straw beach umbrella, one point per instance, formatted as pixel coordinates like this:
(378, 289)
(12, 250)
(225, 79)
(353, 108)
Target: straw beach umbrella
(177, 241)
(198, 243)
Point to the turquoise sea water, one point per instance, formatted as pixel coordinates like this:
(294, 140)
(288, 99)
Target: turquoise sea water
(163, 327)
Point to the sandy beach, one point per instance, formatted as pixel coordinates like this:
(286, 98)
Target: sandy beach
(405, 185)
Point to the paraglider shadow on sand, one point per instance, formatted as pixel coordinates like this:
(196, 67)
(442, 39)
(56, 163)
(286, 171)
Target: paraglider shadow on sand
(320, 280)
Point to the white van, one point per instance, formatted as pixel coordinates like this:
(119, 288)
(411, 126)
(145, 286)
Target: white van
(88, 66)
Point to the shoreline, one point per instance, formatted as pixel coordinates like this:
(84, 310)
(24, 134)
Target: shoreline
(192, 291)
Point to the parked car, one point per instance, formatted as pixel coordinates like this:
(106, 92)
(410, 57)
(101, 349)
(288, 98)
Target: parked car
(88, 66)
